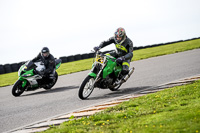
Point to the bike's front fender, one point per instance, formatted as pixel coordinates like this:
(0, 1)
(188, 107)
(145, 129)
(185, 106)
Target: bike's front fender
(93, 75)
(24, 82)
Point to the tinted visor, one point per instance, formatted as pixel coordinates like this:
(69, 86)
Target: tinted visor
(46, 54)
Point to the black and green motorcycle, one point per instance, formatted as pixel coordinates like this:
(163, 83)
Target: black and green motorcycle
(31, 77)
(105, 74)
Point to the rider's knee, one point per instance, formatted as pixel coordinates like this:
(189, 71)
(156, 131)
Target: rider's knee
(52, 74)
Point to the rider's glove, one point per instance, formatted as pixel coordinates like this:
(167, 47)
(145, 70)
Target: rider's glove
(96, 48)
(120, 59)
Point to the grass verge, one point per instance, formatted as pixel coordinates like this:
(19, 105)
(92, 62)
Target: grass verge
(76, 66)
(175, 109)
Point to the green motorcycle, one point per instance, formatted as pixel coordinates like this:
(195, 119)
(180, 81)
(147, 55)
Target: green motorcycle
(105, 73)
(31, 77)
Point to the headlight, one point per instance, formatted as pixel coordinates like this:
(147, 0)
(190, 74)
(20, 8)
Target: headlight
(27, 75)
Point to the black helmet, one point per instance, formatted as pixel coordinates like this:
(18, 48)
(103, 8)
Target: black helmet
(45, 52)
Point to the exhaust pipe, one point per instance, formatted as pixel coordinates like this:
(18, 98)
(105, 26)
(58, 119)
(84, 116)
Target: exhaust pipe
(129, 74)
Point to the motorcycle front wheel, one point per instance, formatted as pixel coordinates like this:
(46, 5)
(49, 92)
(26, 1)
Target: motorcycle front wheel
(86, 87)
(17, 89)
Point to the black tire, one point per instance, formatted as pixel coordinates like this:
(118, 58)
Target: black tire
(17, 89)
(82, 88)
(50, 85)
(7, 68)
(70, 58)
(77, 57)
(14, 67)
(84, 56)
(64, 59)
(91, 55)
(2, 71)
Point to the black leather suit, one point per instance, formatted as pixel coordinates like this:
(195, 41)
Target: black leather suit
(124, 48)
(49, 63)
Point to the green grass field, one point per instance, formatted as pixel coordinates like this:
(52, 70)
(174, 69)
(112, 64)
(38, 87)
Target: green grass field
(173, 110)
(76, 66)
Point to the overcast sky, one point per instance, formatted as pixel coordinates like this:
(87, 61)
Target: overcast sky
(70, 27)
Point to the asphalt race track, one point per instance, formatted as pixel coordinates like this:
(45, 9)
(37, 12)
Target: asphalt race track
(41, 104)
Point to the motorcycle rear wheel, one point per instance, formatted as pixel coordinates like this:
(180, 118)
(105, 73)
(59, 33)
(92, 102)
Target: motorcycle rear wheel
(114, 88)
(17, 89)
(86, 88)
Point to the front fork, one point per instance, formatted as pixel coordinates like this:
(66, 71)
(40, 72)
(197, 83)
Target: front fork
(96, 76)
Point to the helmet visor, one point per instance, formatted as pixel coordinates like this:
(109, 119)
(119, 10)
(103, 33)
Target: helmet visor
(46, 54)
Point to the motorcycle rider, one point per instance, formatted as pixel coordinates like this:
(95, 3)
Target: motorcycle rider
(124, 48)
(49, 62)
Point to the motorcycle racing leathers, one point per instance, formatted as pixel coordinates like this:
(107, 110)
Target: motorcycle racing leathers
(124, 49)
(49, 63)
